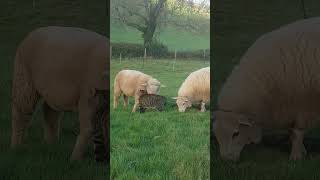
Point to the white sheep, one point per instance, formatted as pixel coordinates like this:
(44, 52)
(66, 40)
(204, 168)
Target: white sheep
(275, 86)
(133, 83)
(194, 90)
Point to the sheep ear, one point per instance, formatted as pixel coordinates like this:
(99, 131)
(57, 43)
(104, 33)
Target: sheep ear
(92, 92)
(163, 85)
(245, 122)
(174, 97)
(93, 95)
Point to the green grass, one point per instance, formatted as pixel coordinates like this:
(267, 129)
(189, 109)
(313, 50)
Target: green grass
(35, 159)
(159, 145)
(236, 27)
(172, 37)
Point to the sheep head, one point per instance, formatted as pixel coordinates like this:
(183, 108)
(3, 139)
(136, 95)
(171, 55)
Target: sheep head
(183, 103)
(233, 131)
(152, 86)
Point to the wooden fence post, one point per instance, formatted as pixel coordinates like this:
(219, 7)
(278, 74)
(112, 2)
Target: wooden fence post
(204, 56)
(145, 53)
(120, 57)
(175, 59)
(144, 57)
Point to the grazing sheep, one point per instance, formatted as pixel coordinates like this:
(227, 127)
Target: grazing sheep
(67, 67)
(276, 86)
(195, 89)
(132, 83)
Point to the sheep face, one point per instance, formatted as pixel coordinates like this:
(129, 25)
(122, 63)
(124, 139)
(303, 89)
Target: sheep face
(233, 131)
(183, 103)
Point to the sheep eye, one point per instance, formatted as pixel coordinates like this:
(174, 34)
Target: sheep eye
(235, 134)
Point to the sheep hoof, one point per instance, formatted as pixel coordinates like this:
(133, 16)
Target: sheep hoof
(297, 155)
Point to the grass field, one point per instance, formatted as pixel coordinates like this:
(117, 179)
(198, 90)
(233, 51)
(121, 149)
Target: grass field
(154, 145)
(172, 37)
(237, 26)
(35, 160)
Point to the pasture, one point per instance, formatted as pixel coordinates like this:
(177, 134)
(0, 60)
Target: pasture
(237, 26)
(34, 159)
(159, 145)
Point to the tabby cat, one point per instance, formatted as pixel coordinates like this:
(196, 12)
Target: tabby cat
(100, 126)
(151, 101)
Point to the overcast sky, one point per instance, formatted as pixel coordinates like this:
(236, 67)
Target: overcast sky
(198, 1)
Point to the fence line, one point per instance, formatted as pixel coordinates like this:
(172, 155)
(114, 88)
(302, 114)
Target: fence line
(145, 56)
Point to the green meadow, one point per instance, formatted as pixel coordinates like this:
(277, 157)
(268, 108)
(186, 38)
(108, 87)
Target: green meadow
(159, 145)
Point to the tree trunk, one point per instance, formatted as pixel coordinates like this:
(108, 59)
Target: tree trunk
(154, 13)
(147, 38)
(149, 31)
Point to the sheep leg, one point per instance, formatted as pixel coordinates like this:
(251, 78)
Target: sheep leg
(51, 124)
(24, 100)
(136, 103)
(117, 94)
(298, 150)
(125, 101)
(83, 139)
(20, 121)
(203, 107)
(115, 101)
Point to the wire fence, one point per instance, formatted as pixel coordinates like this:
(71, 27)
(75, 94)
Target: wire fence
(149, 59)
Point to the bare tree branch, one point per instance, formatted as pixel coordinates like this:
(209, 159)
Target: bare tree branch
(149, 16)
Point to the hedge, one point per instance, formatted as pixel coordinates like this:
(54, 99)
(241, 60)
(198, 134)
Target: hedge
(157, 50)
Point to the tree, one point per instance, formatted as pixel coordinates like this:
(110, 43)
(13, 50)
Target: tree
(147, 16)
(141, 15)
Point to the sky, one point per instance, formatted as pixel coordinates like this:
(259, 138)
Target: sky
(199, 1)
